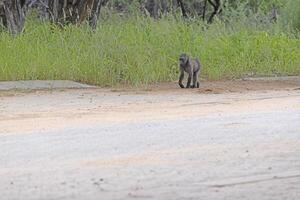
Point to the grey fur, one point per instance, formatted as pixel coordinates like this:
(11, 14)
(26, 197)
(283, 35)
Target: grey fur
(190, 66)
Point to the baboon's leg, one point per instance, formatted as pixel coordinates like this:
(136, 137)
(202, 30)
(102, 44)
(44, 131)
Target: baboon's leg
(195, 79)
(188, 85)
(181, 78)
(196, 83)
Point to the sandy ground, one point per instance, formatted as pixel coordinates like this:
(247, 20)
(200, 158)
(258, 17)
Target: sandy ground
(226, 140)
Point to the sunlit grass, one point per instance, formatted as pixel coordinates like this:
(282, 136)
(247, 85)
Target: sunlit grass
(141, 50)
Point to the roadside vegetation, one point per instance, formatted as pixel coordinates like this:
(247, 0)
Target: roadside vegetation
(137, 49)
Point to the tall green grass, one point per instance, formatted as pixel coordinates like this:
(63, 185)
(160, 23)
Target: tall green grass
(140, 50)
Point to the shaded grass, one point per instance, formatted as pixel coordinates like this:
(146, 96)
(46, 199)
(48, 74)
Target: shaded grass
(141, 50)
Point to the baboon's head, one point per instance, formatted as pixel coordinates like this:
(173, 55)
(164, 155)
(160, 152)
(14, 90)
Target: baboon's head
(183, 59)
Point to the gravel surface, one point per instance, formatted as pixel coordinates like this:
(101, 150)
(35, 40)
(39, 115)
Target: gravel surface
(151, 144)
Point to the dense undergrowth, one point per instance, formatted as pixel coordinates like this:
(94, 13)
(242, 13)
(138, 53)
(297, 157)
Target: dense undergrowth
(140, 50)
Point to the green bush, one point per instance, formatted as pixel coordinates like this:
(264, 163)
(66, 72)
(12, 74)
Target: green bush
(291, 14)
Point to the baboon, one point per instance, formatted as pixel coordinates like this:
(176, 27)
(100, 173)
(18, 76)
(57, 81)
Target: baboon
(190, 66)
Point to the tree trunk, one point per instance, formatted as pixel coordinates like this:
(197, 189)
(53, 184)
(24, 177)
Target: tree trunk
(73, 11)
(13, 16)
(216, 6)
(54, 10)
(84, 10)
(165, 6)
(152, 7)
(183, 10)
(2, 14)
(95, 14)
(204, 10)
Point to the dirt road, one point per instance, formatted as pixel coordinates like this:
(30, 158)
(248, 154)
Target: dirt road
(227, 140)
